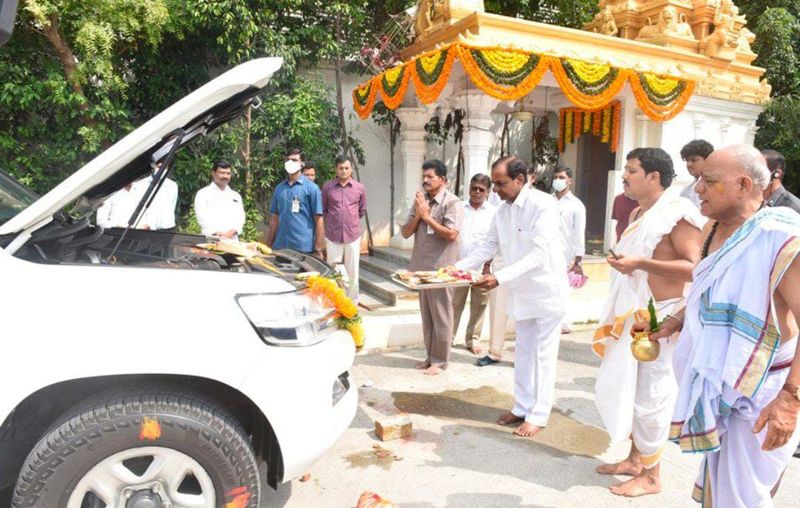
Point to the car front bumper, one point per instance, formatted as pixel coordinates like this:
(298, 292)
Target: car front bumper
(295, 388)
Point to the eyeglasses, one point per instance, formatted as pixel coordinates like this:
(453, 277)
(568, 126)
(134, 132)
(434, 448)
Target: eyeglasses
(477, 189)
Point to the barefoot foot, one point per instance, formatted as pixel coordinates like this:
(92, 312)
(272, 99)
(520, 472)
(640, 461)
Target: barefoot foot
(422, 365)
(641, 485)
(509, 418)
(475, 350)
(626, 467)
(433, 370)
(527, 429)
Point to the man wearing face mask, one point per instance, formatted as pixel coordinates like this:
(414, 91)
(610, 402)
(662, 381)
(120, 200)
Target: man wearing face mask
(573, 217)
(775, 194)
(296, 211)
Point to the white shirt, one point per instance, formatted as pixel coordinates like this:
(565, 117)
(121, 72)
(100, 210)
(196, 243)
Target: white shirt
(573, 215)
(689, 193)
(526, 233)
(116, 211)
(218, 210)
(161, 213)
(476, 224)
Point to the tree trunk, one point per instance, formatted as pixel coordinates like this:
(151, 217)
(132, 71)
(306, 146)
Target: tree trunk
(346, 148)
(245, 150)
(70, 65)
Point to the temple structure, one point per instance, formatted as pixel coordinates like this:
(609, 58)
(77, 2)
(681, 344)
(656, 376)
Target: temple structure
(642, 73)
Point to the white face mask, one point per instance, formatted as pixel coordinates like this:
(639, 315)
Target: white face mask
(559, 185)
(292, 167)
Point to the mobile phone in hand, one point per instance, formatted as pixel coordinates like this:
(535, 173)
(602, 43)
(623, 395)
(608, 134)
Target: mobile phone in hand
(611, 251)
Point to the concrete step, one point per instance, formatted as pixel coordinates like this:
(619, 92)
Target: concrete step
(381, 288)
(380, 266)
(392, 254)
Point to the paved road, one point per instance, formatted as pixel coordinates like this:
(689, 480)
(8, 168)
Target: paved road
(458, 456)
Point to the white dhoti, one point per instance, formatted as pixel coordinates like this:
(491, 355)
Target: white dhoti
(535, 368)
(740, 457)
(636, 398)
(731, 362)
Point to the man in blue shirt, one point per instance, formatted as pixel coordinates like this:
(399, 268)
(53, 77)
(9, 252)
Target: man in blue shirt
(296, 211)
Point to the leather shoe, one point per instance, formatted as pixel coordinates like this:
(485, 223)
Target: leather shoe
(486, 360)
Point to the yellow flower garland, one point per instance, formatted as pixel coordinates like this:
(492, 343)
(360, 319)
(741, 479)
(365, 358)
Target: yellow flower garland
(654, 111)
(509, 61)
(392, 76)
(429, 93)
(574, 122)
(346, 311)
(368, 90)
(506, 59)
(586, 101)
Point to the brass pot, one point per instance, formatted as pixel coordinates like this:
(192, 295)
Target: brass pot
(644, 349)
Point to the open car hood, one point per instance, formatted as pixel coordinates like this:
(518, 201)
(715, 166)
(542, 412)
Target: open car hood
(210, 106)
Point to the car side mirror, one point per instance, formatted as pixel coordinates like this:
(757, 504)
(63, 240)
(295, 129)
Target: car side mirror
(8, 13)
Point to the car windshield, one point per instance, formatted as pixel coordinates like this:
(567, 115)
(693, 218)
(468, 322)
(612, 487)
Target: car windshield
(14, 197)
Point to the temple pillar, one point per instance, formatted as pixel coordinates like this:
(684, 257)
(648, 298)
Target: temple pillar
(479, 135)
(411, 149)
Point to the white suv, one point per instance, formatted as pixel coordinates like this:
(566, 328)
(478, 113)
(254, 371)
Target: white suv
(138, 370)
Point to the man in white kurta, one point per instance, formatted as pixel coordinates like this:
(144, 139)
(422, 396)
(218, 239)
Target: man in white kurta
(116, 211)
(161, 213)
(573, 217)
(525, 232)
(655, 257)
(219, 208)
(737, 360)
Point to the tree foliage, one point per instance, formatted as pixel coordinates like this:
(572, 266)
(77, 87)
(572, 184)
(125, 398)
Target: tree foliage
(777, 29)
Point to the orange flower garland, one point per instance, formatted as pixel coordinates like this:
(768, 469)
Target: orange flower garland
(656, 112)
(605, 124)
(586, 101)
(346, 316)
(394, 80)
(430, 62)
(364, 98)
(509, 74)
(507, 60)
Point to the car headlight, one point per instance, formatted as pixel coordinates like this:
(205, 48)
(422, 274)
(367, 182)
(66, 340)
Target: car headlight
(293, 319)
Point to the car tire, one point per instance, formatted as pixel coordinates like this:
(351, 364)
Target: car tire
(134, 445)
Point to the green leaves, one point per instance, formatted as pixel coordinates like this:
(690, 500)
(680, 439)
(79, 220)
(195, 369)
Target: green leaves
(651, 308)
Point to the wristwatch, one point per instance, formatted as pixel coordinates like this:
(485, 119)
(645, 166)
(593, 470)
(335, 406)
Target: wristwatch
(792, 390)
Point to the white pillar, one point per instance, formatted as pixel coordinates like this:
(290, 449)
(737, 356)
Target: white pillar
(479, 133)
(750, 135)
(412, 149)
(644, 129)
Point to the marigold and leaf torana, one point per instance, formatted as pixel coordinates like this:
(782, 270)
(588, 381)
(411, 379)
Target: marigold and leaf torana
(509, 74)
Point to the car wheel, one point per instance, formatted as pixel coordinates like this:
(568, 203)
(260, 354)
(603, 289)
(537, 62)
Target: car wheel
(150, 448)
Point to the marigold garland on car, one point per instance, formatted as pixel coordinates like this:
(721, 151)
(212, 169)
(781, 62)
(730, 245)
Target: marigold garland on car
(346, 317)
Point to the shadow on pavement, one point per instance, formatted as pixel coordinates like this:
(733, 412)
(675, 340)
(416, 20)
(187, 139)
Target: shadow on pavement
(577, 352)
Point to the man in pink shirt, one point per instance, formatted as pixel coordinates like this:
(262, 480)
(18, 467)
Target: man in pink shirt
(344, 202)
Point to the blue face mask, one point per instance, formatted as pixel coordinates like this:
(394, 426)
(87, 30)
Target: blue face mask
(559, 185)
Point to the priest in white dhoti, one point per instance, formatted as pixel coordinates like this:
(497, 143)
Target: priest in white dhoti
(653, 260)
(737, 359)
(525, 231)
